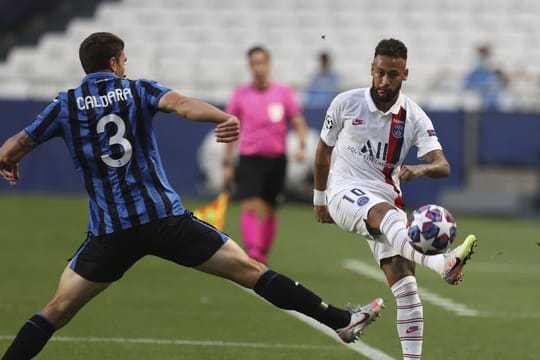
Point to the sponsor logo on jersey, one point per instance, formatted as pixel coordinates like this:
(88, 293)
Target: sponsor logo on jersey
(378, 151)
(377, 156)
(396, 120)
(357, 122)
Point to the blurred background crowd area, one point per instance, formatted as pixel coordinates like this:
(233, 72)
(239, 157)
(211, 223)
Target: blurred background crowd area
(474, 67)
(462, 53)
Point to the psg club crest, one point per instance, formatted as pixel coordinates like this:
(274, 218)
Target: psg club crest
(397, 131)
(362, 200)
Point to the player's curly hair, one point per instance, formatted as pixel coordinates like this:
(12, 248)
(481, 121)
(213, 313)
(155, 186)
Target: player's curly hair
(97, 49)
(391, 47)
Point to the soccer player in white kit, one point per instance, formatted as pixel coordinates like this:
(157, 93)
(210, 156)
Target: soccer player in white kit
(366, 135)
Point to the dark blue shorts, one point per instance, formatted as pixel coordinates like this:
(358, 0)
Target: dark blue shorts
(182, 239)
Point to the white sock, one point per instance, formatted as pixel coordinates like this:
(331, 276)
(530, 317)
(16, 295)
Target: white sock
(410, 317)
(394, 227)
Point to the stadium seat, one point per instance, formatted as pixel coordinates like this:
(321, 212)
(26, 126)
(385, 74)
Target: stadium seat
(441, 35)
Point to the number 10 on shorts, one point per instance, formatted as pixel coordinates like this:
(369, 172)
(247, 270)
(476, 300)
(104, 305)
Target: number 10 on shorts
(356, 196)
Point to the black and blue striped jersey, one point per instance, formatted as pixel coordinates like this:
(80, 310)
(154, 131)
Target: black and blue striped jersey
(106, 124)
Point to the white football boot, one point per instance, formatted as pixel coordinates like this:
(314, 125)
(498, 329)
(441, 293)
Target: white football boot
(361, 316)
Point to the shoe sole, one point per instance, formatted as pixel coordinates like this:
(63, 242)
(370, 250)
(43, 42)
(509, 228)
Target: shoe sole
(473, 242)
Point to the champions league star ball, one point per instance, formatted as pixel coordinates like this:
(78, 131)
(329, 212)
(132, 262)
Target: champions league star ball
(431, 229)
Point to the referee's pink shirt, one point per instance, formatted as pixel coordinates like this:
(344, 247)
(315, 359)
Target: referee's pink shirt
(264, 117)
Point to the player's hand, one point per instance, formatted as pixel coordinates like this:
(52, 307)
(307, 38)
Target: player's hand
(300, 154)
(322, 215)
(10, 172)
(228, 131)
(411, 172)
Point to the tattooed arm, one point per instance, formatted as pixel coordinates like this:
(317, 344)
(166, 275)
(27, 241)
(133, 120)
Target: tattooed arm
(436, 166)
(13, 150)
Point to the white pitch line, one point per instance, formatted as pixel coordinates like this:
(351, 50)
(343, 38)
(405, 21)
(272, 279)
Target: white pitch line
(530, 316)
(209, 343)
(502, 268)
(448, 304)
(459, 309)
(359, 346)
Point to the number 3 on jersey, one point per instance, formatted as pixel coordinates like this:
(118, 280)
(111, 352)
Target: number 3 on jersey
(117, 139)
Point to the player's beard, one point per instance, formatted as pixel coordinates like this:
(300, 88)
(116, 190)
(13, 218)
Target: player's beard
(390, 96)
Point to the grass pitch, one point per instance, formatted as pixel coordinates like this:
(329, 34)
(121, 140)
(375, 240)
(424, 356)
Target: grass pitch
(162, 311)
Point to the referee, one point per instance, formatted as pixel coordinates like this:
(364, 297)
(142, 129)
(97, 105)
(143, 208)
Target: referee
(266, 110)
(106, 124)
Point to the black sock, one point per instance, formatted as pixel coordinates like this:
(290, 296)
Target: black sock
(31, 339)
(286, 294)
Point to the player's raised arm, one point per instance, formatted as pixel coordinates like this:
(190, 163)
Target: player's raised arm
(228, 127)
(11, 152)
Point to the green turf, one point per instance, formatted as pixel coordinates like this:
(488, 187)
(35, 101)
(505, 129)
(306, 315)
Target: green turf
(158, 300)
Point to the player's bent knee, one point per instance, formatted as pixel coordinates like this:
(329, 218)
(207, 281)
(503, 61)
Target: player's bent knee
(376, 214)
(232, 263)
(248, 272)
(396, 268)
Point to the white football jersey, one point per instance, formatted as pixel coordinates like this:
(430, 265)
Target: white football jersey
(369, 145)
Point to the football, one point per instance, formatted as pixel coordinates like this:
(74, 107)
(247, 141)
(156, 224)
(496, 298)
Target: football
(431, 229)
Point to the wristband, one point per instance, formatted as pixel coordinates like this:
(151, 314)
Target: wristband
(319, 197)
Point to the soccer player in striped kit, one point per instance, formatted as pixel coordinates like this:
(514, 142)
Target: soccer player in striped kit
(265, 109)
(369, 132)
(106, 124)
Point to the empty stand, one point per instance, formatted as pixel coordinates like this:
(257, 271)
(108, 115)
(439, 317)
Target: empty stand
(199, 46)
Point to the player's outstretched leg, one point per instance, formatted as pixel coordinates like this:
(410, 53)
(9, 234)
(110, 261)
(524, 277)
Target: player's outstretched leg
(456, 260)
(287, 294)
(449, 266)
(72, 294)
(232, 263)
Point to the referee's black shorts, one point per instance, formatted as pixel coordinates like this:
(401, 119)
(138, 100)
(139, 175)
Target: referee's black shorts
(261, 177)
(182, 239)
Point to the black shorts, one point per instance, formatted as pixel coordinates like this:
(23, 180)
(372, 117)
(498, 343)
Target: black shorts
(182, 239)
(259, 176)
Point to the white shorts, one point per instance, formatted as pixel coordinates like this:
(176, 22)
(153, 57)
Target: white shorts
(349, 207)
